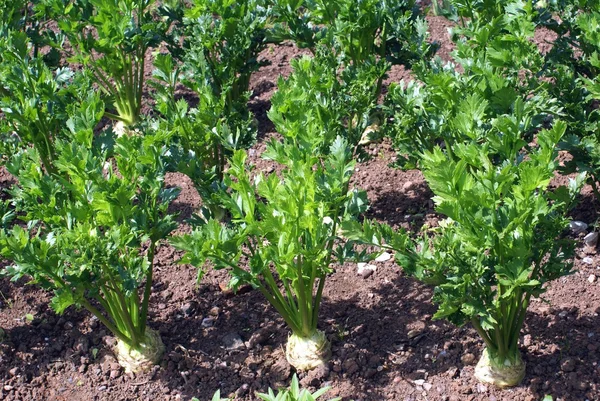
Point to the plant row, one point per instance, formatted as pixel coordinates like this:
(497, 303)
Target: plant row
(91, 205)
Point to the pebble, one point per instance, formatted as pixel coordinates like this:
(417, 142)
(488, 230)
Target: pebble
(8, 388)
(207, 322)
(162, 306)
(578, 227)
(188, 309)
(419, 382)
(384, 257)
(366, 270)
(591, 239)
(233, 341)
(481, 388)
(427, 386)
(587, 260)
(567, 365)
(14, 371)
(592, 278)
(468, 359)
(214, 311)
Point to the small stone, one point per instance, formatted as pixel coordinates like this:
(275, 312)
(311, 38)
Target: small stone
(233, 341)
(115, 373)
(366, 270)
(14, 371)
(591, 239)
(188, 309)
(481, 388)
(214, 311)
(427, 386)
(592, 278)
(419, 382)
(207, 322)
(243, 390)
(468, 359)
(567, 365)
(8, 388)
(350, 366)
(162, 306)
(578, 227)
(101, 388)
(407, 185)
(588, 261)
(384, 257)
(563, 314)
(527, 340)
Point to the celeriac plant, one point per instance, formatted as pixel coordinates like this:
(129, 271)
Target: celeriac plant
(500, 68)
(91, 234)
(502, 242)
(294, 393)
(110, 39)
(318, 97)
(39, 103)
(287, 230)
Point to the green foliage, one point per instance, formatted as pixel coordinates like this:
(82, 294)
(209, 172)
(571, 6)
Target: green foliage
(294, 393)
(41, 105)
(219, 54)
(286, 228)
(503, 238)
(317, 97)
(356, 31)
(499, 81)
(110, 38)
(574, 70)
(87, 226)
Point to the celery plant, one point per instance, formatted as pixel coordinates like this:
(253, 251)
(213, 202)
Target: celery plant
(86, 230)
(288, 231)
(111, 38)
(501, 244)
(38, 102)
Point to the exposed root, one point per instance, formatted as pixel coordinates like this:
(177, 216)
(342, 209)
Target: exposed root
(143, 358)
(308, 353)
(507, 373)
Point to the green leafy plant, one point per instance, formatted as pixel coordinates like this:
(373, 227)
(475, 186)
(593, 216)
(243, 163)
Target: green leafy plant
(574, 69)
(39, 103)
(92, 232)
(502, 242)
(500, 69)
(294, 393)
(222, 41)
(318, 98)
(111, 38)
(287, 230)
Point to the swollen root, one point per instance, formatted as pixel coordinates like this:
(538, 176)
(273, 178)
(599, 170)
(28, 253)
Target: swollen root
(507, 373)
(142, 358)
(308, 353)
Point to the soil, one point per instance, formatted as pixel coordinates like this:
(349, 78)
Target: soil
(385, 343)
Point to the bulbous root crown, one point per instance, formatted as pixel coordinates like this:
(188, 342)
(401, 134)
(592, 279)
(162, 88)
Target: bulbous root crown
(507, 373)
(308, 353)
(143, 358)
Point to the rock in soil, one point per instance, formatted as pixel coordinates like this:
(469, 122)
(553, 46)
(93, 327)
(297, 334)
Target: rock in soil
(578, 227)
(468, 359)
(233, 341)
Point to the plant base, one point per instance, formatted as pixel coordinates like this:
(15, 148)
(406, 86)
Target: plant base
(308, 353)
(507, 373)
(144, 357)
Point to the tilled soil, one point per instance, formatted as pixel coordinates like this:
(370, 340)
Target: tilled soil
(385, 343)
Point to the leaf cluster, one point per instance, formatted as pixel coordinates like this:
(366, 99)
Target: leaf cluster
(87, 224)
(285, 226)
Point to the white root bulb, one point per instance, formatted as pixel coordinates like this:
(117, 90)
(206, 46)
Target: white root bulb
(308, 353)
(143, 358)
(501, 374)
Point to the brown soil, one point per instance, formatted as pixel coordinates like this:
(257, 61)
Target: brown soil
(385, 344)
